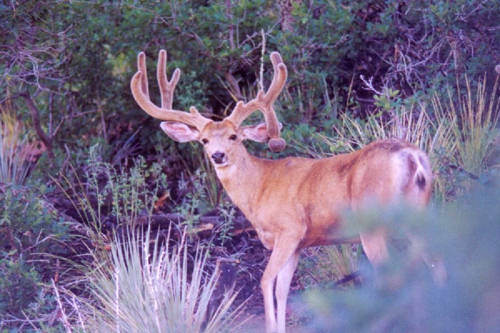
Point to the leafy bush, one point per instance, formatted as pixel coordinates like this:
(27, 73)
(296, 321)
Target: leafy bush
(80, 88)
(32, 239)
(20, 284)
(404, 297)
(105, 194)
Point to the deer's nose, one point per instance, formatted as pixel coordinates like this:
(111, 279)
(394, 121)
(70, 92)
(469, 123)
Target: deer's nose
(218, 157)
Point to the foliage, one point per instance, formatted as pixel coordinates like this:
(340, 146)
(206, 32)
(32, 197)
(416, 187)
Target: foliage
(404, 296)
(157, 289)
(474, 116)
(82, 54)
(195, 202)
(106, 192)
(329, 266)
(33, 239)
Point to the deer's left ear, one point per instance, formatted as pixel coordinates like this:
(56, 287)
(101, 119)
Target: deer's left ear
(256, 133)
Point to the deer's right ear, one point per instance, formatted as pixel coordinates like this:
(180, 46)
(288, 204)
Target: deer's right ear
(179, 132)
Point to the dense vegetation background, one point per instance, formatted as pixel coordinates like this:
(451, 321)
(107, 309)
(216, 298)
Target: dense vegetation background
(83, 170)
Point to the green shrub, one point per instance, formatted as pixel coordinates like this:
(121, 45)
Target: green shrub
(20, 284)
(106, 192)
(404, 297)
(81, 87)
(32, 239)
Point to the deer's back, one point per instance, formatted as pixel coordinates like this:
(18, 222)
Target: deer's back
(310, 194)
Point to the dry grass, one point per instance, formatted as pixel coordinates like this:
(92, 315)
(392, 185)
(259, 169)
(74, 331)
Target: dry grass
(14, 157)
(456, 130)
(474, 116)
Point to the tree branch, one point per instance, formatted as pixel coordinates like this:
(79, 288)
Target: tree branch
(35, 117)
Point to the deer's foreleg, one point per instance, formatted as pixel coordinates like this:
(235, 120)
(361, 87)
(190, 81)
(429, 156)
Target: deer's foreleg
(285, 247)
(283, 287)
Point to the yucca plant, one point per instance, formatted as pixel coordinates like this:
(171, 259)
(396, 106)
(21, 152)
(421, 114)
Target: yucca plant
(154, 288)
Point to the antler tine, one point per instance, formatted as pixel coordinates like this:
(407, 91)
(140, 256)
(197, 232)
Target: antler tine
(141, 67)
(264, 102)
(166, 87)
(275, 143)
(139, 87)
(279, 78)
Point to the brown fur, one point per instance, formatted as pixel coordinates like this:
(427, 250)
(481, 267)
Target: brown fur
(308, 195)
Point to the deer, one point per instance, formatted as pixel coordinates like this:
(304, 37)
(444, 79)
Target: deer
(292, 202)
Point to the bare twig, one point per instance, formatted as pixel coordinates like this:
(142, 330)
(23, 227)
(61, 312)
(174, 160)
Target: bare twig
(263, 52)
(369, 85)
(65, 321)
(231, 26)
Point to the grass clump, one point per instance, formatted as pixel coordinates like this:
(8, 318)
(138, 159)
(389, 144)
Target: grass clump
(14, 151)
(473, 115)
(148, 287)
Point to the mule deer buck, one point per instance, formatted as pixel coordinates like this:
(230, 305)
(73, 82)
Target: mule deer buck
(293, 202)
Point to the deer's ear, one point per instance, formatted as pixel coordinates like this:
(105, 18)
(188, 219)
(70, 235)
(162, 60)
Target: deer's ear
(256, 133)
(179, 132)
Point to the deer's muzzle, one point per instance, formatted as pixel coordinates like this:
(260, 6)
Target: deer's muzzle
(219, 157)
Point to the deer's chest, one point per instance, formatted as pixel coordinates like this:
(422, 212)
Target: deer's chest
(266, 237)
(275, 223)
(264, 226)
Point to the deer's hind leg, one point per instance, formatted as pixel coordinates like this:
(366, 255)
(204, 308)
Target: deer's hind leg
(375, 245)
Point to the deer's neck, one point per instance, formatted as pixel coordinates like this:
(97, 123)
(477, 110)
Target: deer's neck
(242, 180)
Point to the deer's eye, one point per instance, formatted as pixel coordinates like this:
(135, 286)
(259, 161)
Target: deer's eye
(233, 137)
(204, 141)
